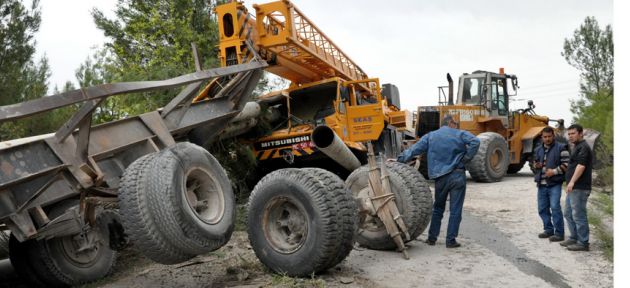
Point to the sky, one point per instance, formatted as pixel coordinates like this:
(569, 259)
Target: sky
(412, 44)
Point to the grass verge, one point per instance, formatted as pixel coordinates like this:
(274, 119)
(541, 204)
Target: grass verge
(601, 209)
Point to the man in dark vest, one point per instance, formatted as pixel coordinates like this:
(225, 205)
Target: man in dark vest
(550, 163)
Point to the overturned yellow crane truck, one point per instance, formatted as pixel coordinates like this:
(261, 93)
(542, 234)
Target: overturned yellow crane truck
(326, 119)
(72, 198)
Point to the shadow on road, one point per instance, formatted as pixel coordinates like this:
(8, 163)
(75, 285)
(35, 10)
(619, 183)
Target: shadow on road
(494, 240)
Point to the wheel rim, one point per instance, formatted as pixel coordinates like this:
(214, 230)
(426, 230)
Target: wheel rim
(204, 195)
(366, 221)
(285, 225)
(82, 250)
(496, 159)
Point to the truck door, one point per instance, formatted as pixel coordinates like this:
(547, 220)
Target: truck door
(365, 114)
(498, 99)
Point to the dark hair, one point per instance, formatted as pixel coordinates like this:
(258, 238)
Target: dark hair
(548, 130)
(577, 127)
(447, 120)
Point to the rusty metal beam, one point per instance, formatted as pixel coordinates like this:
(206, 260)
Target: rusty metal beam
(40, 105)
(185, 95)
(72, 124)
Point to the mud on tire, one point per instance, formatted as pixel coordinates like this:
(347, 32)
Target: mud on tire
(490, 163)
(299, 221)
(413, 200)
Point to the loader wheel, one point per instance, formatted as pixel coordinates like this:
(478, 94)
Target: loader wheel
(65, 261)
(372, 232)
(295, 223)
(490, 163)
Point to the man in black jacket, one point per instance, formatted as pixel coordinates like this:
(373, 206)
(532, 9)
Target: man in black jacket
(550, 161)
(578, 177)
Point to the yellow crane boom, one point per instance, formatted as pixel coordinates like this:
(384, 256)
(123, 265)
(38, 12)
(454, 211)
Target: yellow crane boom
(284, 36)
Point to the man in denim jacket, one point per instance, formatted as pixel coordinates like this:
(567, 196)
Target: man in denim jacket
(550, 163)
(448, 149)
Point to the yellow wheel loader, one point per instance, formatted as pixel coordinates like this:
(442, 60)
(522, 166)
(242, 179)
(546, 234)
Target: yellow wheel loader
(508, 137)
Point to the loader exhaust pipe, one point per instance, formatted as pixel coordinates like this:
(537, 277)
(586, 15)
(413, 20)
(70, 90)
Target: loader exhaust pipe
(450, 88)
(330, 144)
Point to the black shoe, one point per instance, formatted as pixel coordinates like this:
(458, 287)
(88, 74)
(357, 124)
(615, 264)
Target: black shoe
(430, 242)
(568, 242)
(453, 245)
(544, 235)
(556, 238)
(578, 247)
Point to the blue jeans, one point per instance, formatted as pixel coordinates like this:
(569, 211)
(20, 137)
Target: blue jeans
(454, 184)
(575, 213)
(550, 210)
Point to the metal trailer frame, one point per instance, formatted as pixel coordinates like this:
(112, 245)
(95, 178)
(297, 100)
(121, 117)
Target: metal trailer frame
(86, 163)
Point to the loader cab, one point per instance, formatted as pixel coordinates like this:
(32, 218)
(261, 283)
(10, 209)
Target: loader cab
(487, 90)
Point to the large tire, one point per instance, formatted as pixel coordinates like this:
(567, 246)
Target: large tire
(187, 192)
(491, 162)
(56, 262)
(23, 261)
(138, 215)
(70, 266)
(294, 223)
(348, 219)
(372, 232)
(194, 194)
(421, 193)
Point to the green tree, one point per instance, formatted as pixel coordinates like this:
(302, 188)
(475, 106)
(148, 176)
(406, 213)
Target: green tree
(17, 47)
(151, 40)
(100, 68)
(591, 51)
(21, 77)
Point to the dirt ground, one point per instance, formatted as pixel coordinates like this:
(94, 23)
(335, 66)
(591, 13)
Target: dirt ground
(500, 248)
